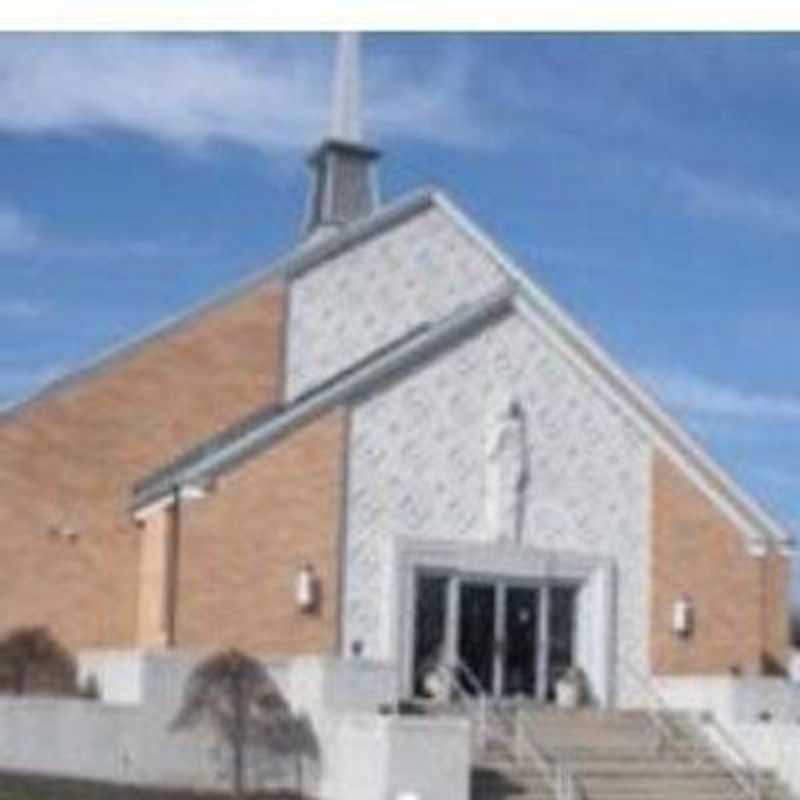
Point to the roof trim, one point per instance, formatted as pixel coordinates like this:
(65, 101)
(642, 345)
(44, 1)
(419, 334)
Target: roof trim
(533, 304)
(668, 432)
(239, 443)
(304, 257)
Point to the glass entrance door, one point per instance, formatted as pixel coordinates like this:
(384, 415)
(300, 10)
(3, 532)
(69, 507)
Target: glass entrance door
(514, 638)
(560, 634)
(477, 631)
(430, 627)
(521, 641)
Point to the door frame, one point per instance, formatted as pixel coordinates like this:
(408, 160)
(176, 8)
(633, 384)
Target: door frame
(500, 587)
(514, 565)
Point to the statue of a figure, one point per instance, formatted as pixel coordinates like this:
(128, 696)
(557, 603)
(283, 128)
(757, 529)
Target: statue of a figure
(506, 470)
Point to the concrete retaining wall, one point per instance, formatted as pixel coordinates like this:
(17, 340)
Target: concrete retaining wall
(735, 699)
(384, 758)
(127, 736)
(775, 747)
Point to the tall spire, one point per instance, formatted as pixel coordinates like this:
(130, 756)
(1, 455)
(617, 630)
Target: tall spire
(346, 117)
(344, 185)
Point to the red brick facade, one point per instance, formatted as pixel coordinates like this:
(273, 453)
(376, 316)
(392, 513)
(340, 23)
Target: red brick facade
(740, 601)
(241, 547)
(68, 461)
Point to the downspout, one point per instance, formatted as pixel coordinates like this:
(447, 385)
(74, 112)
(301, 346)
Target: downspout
(173, 548)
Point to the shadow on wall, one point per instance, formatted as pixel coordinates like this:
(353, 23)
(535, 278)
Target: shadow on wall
(33, 662)
(234, 695)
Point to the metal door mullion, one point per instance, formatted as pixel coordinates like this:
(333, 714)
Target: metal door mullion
(499, 665)
(452, 617)
(543, 643)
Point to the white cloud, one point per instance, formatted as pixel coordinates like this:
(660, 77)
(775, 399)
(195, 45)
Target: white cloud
(20, 236)
(19, 309)
(726, 199)
(270, 92)
(18, 233)
(693, 394)
(136, 250)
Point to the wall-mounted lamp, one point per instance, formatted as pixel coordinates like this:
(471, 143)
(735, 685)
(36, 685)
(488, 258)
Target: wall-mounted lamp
(306, 589)
(683, 616)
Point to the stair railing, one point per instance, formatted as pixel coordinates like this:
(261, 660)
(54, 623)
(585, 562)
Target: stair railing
(745, 773)
(664, 733)
(562, 780)
(460, 685)
(734, 748)
(465, 685)
(467, 689)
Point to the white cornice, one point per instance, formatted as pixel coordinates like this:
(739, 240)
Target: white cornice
(539, 309)
(184, 493)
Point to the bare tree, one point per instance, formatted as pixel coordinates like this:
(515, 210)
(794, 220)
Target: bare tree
(234, 694)
(31, 660)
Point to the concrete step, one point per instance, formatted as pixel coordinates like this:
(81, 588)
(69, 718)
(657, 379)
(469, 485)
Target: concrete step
(645, 755)
(613, 755)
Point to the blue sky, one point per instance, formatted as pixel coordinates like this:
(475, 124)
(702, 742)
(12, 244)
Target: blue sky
(651, 183)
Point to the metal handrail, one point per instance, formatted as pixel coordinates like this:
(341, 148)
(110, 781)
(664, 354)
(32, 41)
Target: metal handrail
(451, 678)
(559, 777)
(664, 732)
(746, 776)
(733, 745)
(458, 671)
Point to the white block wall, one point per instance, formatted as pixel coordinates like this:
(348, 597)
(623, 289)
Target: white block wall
(354, 304)
(416, 469)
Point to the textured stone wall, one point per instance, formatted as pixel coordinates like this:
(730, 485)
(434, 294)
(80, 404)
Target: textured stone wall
(369, 296)
(739, 600)
(417, 469)
(241, 547)
(68, 461)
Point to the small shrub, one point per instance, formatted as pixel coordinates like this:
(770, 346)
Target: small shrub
(234, 694)
(33, 662)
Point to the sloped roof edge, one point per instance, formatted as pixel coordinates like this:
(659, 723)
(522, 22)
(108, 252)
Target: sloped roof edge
(305, 256)
(667, 431)
(240, 442)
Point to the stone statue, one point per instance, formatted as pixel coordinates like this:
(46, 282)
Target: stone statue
(506, 470)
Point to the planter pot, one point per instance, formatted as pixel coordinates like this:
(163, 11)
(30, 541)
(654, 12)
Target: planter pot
(568, 694)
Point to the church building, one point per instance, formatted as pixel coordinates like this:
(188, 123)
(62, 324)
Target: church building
(390, 446)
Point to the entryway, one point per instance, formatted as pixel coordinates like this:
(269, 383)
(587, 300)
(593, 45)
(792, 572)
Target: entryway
(516, 637)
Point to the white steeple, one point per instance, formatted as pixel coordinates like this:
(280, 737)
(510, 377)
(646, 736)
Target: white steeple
(344, 187)
(346, 119)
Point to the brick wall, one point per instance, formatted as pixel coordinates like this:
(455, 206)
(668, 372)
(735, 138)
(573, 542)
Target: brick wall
(777, 583)
(69, 459)
(739, 600)
(240, 547)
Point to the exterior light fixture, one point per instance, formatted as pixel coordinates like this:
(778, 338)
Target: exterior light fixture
(683, 616)
(306, 589)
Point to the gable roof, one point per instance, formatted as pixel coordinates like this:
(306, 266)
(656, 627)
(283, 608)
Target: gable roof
(536, 307)
(240, 442)
(304, 257)
(552, 321)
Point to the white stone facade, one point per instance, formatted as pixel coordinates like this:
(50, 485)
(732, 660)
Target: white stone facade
(352, 305)
(416, 470)
(417, 457)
